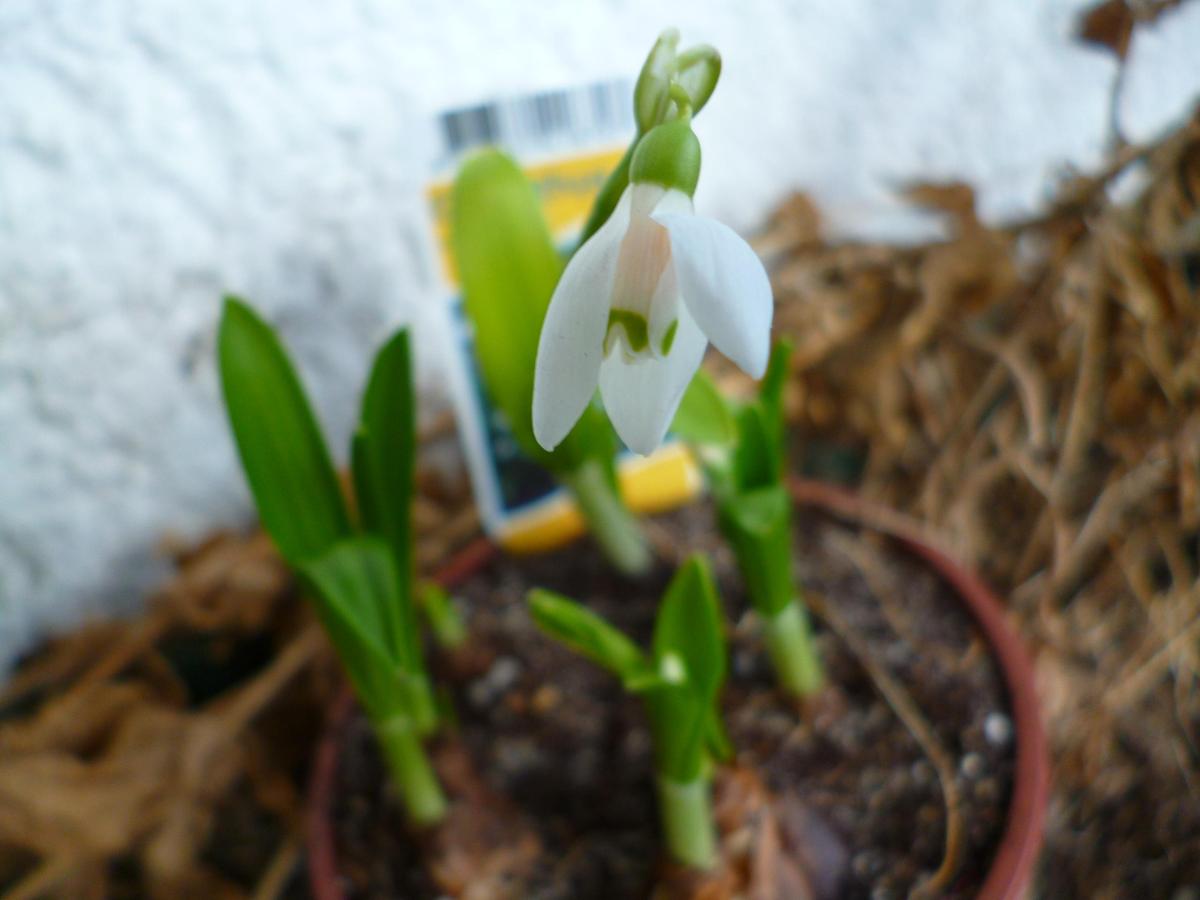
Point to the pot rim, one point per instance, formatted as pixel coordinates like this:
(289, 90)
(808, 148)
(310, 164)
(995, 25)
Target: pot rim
(1013, 864)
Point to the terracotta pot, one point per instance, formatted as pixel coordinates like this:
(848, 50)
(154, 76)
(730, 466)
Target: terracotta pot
(1013, 866)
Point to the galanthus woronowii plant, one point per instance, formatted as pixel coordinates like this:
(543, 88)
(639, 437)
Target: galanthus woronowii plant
(639, 301)
(742, 448)
(358, 570)
(630, 312)
(679, 682)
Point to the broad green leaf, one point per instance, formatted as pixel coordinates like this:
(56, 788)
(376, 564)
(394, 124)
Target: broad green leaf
(357, 578)
(353, 585)
(758, 526)
(383, 463)
(760, 511)
(589, 635)
(704, 417)
(689, 626)
(508, 267)
(283, 453)
(716, 738)
(679, 722)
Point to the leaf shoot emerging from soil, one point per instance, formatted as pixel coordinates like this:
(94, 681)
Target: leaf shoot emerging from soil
(679, 681)
(746, 473)
(361, 584)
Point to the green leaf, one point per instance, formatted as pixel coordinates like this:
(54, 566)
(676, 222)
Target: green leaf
(443, 617)
(353, 585)
(283, 453)
(589, 635)
(756, 461)
(679, 721)
(716, 738)
(759, 512)
(383, 463)
(508, 267)
(758, 526)
(704, 418)
(770, 394)
(689, 627)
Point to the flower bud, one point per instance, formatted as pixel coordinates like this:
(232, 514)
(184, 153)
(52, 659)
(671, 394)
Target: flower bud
(668, 155)
(696, 70)
(651, 95)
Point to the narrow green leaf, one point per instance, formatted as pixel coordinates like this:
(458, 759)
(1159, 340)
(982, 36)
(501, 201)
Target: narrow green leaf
(383, 461)
(283, 453)
(689, 626)
(589, 635)
(756, 461)
(770, 394)
(444, 619)
(704, 418)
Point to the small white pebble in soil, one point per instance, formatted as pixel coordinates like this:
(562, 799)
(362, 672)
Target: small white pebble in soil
(997, 728)
(972, 765)
(499, 678)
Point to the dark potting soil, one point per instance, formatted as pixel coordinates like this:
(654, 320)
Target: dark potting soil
(558, 738)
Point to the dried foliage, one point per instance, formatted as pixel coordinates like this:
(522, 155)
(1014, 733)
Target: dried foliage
(166, 756)
(1032, 394)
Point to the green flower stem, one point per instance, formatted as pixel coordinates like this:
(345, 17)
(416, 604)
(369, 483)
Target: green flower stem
(610, 193)
(790, 646)
(411, 772)
(612, 524)
(686, 811)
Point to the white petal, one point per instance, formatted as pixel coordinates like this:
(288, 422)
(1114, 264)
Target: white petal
(571, 344)
(724, 286)
(641, 397)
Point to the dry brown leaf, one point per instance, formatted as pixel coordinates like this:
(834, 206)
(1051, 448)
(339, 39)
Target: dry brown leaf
(1108, 24)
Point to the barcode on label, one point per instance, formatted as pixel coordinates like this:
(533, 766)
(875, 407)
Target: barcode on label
(559, 119)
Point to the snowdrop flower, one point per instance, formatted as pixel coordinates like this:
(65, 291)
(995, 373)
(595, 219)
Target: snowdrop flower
(639, 302)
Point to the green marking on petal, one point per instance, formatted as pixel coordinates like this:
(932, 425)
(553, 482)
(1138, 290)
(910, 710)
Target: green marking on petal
(669, 338)
(637, 332)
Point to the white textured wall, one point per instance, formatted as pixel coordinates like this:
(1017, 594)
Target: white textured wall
(156, 154)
